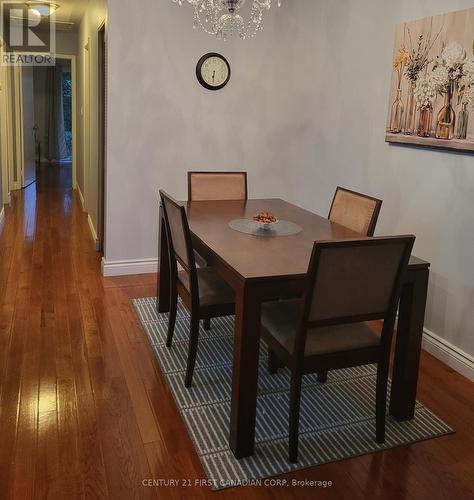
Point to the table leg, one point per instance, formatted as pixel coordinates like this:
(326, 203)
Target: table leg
(408, 345)
(245, 372)
(163, 267)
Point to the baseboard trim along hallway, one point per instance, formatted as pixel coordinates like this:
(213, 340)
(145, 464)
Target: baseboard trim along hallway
(128, 267)
(93, 232)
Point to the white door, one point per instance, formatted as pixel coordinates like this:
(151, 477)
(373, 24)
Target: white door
(28, 115)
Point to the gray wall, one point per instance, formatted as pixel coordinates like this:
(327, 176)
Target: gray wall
(305, 111)
(428, 193)
(162, 123)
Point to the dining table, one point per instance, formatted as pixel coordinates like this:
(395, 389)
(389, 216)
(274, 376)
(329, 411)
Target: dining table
(266, 266)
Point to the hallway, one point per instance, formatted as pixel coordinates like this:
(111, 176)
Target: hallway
(85, 412)
(60, 377)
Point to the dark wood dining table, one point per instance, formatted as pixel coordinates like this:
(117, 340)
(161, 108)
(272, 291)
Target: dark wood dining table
(260, 268)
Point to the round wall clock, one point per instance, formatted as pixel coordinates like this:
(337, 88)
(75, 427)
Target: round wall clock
(213, 71)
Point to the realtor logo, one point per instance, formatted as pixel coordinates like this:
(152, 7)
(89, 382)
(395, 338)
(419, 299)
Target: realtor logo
(27, 37)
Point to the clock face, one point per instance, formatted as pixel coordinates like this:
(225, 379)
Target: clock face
(213, 71)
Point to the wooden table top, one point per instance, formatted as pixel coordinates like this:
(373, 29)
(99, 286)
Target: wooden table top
(260, 256)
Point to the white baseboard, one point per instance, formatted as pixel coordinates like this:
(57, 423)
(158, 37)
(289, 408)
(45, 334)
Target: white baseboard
(89, 220)
(2, 215)
(126, 267)
(93, 232)
(81, 197)
(455, 358)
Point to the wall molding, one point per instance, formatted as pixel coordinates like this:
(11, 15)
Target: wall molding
(81, 197)
(89, 219)
(127, 267)
(93, 232)
(2, 216)
(448, 353)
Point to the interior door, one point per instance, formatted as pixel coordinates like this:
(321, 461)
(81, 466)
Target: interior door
(28, 124)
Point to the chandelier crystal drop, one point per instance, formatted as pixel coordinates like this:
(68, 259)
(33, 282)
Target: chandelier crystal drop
(222, 18)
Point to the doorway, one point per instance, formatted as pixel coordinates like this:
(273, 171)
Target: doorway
(54, 118)
(41, 117)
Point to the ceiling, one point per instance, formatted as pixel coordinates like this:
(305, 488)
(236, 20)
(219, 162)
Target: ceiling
(71, 10)
(69, 14)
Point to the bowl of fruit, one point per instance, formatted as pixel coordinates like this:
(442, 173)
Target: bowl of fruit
(265, 219)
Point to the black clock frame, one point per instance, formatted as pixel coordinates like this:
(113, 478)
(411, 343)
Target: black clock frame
(199, 73)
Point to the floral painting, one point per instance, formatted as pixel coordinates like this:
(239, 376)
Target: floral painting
(432, 89)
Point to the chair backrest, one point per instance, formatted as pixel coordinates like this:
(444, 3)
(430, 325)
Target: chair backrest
(179, 236)
(204, 186)
(355, 211)
(352, 281)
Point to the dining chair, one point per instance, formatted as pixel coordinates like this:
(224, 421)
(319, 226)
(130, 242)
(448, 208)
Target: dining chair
(205, 294)
(349, 283)
(355, 211)
(215, 186)
(204, 186)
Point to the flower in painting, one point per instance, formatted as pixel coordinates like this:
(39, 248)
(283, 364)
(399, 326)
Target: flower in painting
(439, 77)
(464, 82)
(466, 91)
(419, 52)
(425, 92)
(401, 59)
(453, 54)
(468, 69)
(456, 74)
(468, 96)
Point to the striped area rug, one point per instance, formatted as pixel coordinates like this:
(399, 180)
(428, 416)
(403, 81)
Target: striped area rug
(337, 418)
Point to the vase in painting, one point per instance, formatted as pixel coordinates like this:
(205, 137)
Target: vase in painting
(410, 112)
(463, 121)
(396, 114)
(446, 118)
(424, 121)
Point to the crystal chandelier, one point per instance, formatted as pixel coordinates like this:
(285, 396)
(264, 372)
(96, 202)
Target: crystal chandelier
(221, 18)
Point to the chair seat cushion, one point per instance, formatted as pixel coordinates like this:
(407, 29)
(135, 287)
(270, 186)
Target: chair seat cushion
(213, 290)
(280, 319)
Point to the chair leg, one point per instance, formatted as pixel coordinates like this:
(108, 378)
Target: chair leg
(295, 396)
(273, 362)
(192, 350)
(322, 376)
(207, 324)
(381, 400)
(172, 315)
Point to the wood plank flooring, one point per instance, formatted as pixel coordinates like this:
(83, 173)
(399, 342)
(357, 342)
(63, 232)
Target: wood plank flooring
(85, 411)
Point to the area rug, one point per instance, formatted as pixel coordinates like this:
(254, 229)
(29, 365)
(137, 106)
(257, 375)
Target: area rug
(337, 418)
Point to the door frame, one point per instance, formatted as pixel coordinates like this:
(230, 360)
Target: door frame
(17, 117)
(102, 134)
(5, 131)
(86, 111)
(72, 59)
(18, 132)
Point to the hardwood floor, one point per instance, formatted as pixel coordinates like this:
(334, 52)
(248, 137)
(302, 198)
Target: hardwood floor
(85, 411)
